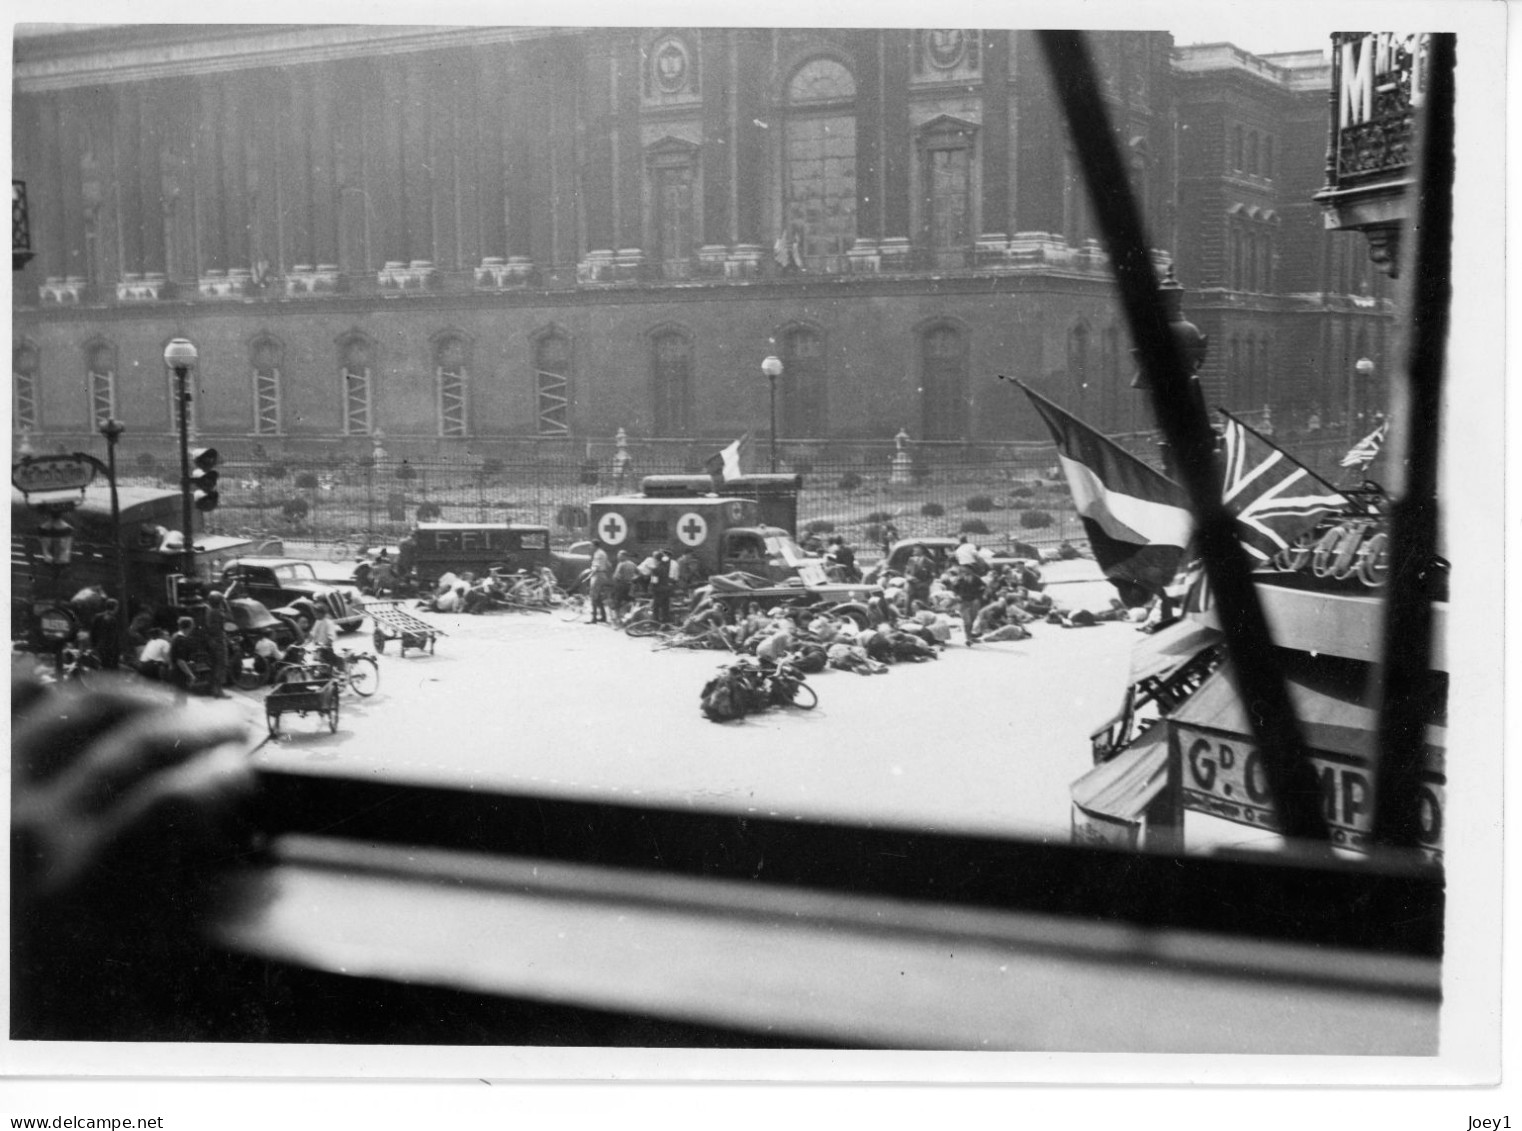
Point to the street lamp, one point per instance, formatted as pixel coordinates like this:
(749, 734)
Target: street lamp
(180, 355)
(772, 367)
(112, 430)
(1364, 367)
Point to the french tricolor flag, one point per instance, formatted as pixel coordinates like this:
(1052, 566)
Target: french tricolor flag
(1137, 520)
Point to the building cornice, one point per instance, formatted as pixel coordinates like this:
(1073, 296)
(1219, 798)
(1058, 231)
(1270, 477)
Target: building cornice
(135, 53)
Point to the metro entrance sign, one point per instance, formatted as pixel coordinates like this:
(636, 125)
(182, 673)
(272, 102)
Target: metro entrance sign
(35, 475)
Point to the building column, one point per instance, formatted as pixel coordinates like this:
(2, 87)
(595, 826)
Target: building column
(897, 54)
(596, 130)
(126, 152)
(527, 157)
(417, 153)
(869, 127)
(51, 162)
(150, 156)
(715, 77)
(324, 178)
(210, 201)
(490, 123)
(629, 193)
(752, 135)
(239, 109)
(995, 134)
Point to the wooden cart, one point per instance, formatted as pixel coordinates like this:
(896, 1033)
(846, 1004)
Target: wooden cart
(392, 622)
(303, 696)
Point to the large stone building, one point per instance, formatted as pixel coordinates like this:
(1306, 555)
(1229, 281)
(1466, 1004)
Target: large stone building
(462, 237)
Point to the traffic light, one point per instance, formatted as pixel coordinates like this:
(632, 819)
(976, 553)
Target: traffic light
(203, 479)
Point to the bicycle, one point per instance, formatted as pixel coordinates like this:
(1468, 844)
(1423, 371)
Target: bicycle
(359, 672)
(748, 686)
(356, 671)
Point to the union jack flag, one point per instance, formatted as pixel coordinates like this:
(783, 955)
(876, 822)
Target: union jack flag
(1275, 498)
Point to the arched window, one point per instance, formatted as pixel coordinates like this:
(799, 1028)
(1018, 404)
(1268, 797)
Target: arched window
(451, 368)
(671, 383)
(354, 370)
(552, 384)
(25, 363)
(943, 368)
(803, 383)
(264, 359)
(100, 367)
(819, 163)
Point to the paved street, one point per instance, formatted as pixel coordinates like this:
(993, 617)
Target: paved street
(987, 738)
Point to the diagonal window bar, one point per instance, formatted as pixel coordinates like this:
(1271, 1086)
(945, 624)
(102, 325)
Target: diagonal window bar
(1181, 414)
(1414, 514)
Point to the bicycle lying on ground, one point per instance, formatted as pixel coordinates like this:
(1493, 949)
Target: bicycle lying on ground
(748, 686)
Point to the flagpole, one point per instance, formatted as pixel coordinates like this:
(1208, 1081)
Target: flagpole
(1181, 413)
(1308, 470)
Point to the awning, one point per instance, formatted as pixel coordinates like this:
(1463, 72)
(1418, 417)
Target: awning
(1122, 788)
(1168, 649)
(1333, 716)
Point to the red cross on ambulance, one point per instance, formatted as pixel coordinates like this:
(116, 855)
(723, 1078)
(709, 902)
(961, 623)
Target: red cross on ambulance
(692, 528)
(613, 529)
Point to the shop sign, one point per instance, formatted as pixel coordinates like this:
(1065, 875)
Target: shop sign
(1379, 79)
(39, 474)
(1222, 775)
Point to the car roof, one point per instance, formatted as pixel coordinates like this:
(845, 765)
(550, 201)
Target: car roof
(268, 561)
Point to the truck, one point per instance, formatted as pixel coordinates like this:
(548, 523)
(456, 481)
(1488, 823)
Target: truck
(725, 534)
(153, 565)
(476, 547)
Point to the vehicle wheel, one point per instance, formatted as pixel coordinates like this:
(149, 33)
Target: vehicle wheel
(644, 628)
(364, 676)
(574, 609)
(806, 698)
(251, 672)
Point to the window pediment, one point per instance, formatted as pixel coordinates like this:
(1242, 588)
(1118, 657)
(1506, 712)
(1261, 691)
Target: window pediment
(947, 130)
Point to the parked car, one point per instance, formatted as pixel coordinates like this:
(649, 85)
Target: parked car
(940, 551)
(277, 582)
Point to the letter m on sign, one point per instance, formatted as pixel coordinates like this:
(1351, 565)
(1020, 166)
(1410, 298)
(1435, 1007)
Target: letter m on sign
(1356, 102)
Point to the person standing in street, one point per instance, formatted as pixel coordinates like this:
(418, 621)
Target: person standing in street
(967, 587)
(105, 636)
(324, 636)
(182, 656)
(218, 617)
(598, 582)
(662, 583)
(624, 575)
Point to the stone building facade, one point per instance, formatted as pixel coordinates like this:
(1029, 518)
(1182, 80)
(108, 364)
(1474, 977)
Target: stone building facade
(459, 238)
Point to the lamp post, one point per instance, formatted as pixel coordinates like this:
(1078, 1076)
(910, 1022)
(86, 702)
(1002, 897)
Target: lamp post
(180, 355)
(1364, 368)
(772, 367)
(112, 430)
(1194, 345)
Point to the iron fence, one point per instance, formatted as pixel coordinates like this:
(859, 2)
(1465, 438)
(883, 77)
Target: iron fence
(341, 496)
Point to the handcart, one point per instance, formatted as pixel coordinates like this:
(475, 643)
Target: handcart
(303, 696)
(392, 622)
